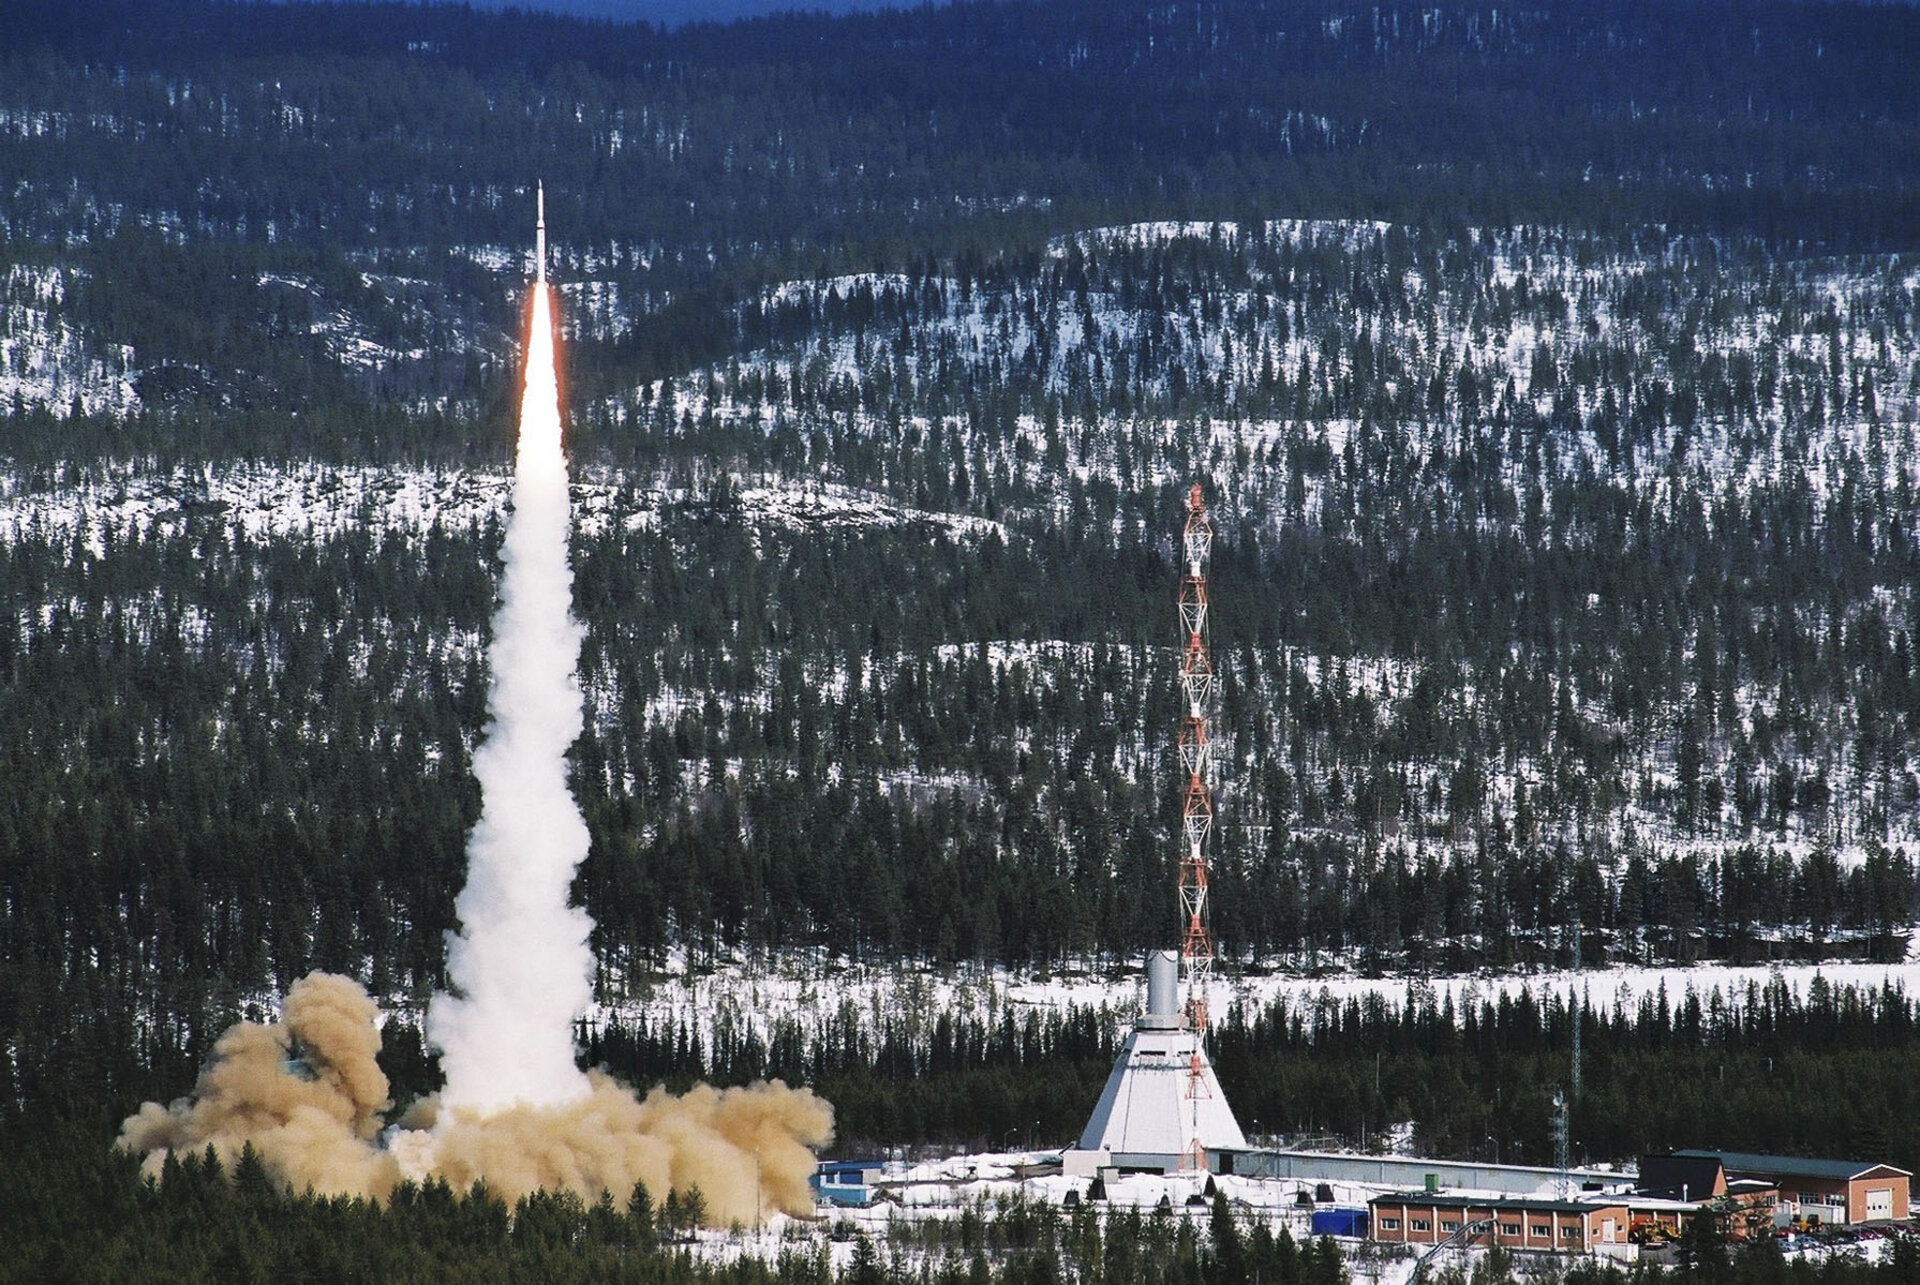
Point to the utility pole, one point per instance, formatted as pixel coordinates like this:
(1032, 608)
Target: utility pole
(1578, 1006)
(1560, 1148)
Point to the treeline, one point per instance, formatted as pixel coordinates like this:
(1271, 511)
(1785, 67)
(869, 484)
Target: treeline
(816, 132)
(233, 759)
(1476, 1079)
(72, 1211)
(84, 1215)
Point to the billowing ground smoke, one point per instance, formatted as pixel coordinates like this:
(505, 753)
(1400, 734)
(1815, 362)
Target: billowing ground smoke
(747, 1150)
(521, 967)
(516, 1111)
(313, 1121)
(307, 1093)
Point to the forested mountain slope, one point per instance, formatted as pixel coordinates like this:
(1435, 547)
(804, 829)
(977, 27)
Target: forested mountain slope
(1561, 445)
(1546, 591)
(257, 207)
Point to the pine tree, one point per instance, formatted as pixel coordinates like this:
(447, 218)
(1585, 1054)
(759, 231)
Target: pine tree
(642, 1231)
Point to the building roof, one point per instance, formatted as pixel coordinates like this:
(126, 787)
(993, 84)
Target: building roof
(1586, 1172)
(1682, 1175)
(1513, 1204)
(1152, 1106)
(848, 1166)
(1748, 1164)
(1658, 1204)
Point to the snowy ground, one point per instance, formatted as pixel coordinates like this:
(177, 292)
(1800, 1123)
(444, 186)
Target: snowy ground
(945, 1188)
(44, 361)
(316, 501)
(983, 1182)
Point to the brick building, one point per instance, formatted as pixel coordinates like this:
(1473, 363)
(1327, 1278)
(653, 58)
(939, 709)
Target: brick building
(1835, 1191)
(1561, 1226)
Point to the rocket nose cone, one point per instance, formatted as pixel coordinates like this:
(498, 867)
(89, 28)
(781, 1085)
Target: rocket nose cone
(540, 232)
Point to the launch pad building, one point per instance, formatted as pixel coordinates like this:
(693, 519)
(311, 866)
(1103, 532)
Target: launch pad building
(1162, 1109)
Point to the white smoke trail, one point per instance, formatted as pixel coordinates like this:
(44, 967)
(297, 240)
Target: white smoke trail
(520, 966)
(515, 1111)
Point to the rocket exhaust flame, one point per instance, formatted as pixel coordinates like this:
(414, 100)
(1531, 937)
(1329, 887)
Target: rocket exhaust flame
(515, 1111)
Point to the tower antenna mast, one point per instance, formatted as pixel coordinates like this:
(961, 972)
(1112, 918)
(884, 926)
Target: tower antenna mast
(1196, 681)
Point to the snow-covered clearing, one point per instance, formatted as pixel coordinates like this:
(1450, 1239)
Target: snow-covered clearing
(739, 998)
(319, 501)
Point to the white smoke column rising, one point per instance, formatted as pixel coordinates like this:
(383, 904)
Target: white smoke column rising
(520, 966)
(515, 1112)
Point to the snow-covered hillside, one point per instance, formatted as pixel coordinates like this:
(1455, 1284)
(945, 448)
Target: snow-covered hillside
(817, 994)
(1562, 576)
(45, 362)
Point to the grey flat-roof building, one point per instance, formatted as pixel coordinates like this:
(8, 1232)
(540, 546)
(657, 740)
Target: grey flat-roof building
(1418, 1171)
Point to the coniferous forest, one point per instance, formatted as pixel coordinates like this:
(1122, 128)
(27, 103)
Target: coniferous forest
(1552, 373)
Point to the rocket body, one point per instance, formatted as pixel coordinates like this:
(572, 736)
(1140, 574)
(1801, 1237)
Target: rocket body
(540, 233)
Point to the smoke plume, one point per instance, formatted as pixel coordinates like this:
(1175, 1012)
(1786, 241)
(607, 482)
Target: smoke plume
(747, 1150)
(307, 1093)
(516, 1111)
(521, 967)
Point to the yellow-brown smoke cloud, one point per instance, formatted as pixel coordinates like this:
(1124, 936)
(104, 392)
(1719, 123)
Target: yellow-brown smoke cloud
(748, 1150)
(313, 1132)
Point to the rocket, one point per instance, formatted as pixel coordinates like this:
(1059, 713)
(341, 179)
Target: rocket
(540, 233)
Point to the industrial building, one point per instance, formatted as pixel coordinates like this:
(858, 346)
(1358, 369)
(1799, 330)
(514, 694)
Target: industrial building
(1832, 1191)
(845, 1182)
(1162, 1108)
(1751, 1194)
(1558, 1226)
(1422, 1172)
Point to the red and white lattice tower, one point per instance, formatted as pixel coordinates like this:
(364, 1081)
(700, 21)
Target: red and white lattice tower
(1162, 1107)
(1196, 682)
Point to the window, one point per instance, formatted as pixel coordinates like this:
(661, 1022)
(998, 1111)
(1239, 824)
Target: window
(1449, 1224)
(1389, 1224)
(1812, 1198)
(1543, 1230)
(1421, 1224)
(1509, 1229)
(1569, 1233)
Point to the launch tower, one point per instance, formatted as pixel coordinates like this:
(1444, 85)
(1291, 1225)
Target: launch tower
(1162, 1108)
(1196, 817)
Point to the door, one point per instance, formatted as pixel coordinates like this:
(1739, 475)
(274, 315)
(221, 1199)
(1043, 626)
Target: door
(1606, 1230)
(1880, 1202)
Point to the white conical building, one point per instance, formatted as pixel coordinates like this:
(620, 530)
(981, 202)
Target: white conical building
(1162, 1109)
